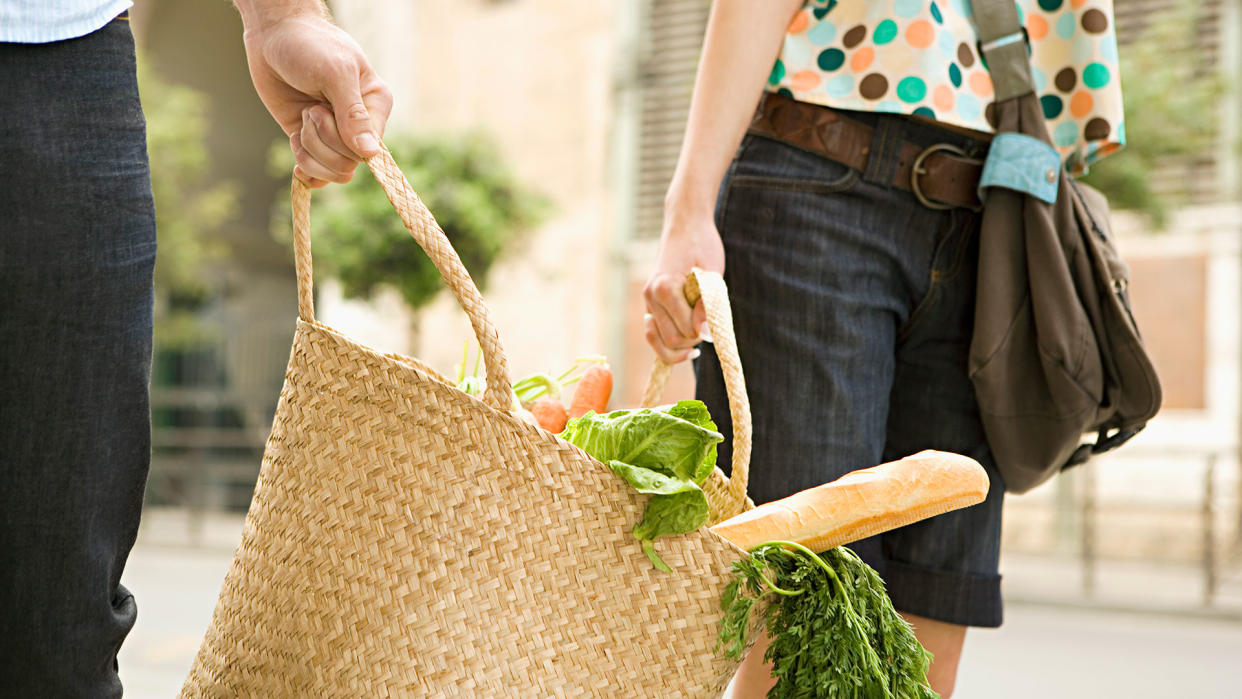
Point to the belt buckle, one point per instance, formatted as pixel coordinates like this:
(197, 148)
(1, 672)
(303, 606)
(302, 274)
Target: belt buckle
(917, 170)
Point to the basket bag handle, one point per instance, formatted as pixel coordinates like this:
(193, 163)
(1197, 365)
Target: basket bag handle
(430, 237)
(710, 287)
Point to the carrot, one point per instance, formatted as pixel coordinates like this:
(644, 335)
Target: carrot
(525, 416)
(593, 391)
(550, 413)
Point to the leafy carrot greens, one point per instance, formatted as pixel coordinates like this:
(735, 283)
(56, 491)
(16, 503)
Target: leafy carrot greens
(666, 452)
(835, 633)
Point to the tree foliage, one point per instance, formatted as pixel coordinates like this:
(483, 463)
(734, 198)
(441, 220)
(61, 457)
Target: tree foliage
(1171, 100)
(465, 183)
(189, 206)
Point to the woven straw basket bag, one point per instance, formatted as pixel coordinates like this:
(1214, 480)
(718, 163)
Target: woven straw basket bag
(406, 539)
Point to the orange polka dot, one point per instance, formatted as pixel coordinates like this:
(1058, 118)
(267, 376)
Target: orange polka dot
(1037, 27)
(804, 80)
(1107, 149)
(1078, 3)
(862, 59)
(800, 22)
(1081, 104)
(942, 97)
(920, 34)
(981, 83)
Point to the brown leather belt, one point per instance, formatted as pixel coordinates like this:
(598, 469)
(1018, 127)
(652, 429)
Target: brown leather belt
(941, 176)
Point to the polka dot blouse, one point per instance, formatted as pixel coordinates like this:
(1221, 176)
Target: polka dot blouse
(920, 57)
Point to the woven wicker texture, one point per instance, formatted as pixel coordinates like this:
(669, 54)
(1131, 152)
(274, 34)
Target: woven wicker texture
(406, 539)
(725, 495)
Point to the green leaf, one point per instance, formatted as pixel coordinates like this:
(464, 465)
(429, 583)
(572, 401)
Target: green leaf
(695, 412)
(665, 452)
(649, 549)
(650, 438)
(677, 513)
(644, 480)
(838, 636)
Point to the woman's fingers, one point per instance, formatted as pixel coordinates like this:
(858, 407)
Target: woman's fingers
(671, 324)
(662, 350)
(667, 293)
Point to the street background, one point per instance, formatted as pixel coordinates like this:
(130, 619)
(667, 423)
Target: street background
(557, 123)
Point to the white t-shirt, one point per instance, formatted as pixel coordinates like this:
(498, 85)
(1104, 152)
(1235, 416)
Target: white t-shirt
(43, 21)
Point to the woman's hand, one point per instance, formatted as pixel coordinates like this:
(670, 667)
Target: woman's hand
(673, 328)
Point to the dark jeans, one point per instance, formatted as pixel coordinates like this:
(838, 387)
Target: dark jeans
(853, 306)
(77, 249)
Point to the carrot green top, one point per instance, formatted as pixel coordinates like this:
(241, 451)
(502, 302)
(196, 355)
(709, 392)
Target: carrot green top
(920, 57)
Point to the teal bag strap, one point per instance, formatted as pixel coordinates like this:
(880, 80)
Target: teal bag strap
(1004, 46)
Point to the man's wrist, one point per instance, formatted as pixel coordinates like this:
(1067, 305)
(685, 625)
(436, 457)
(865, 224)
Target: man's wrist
(258, 14)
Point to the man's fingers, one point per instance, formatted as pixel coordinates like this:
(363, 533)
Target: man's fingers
(312, 182)
(311, 166)
(322, 141)
(357, 130)
(378, 100)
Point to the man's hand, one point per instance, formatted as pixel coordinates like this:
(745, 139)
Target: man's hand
(319, 86)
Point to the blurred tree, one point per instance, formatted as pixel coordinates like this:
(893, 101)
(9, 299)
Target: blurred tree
(1171, 109)
(189, 206)
(360, 240)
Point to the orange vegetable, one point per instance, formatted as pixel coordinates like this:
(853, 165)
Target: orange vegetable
(525, 416)
(550, 413)
(593, 391)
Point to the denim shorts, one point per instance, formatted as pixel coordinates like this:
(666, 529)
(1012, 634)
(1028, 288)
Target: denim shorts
(853, 305)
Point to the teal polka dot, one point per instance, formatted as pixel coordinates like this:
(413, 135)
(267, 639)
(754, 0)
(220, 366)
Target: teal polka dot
(891, 107)
(907, 8)
(1052, 106)
(1108, 49)
(947, 44)
(1039, 78)
(962, 7)
(1050, 5)
(1095, 76)
(885, 32)
(1066, 25)
(822, 33)
(841, 85)
(831, 59)
(969, 107)
(820, 12)
(955, 75)
(785, 92)
(1066, 134)
(1121, 133)
(797, 53)
(1021, 15)
(925, 111)
(935, 13)
(777, 74)
(911, 89)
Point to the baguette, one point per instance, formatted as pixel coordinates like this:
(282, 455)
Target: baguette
(863, 503)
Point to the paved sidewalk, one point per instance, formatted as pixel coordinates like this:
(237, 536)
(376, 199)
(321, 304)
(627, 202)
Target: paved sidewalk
(1041, 651)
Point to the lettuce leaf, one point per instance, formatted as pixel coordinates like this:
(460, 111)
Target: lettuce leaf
(666, 452)
(676, 440)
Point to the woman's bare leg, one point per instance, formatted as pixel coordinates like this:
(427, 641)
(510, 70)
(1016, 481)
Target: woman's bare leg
(945, 641)
(754, 676)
